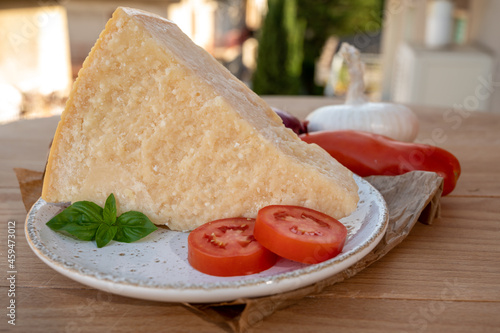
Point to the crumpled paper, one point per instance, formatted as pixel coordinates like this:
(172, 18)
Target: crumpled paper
(412, 197)
(30, 184)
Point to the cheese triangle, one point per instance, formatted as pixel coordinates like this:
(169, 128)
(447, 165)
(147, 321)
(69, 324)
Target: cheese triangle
(157, 121)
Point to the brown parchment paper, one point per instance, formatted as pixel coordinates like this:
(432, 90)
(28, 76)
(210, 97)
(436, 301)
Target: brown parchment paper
(411, 197)
(30, 184)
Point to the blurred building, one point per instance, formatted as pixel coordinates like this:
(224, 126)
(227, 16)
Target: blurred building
(44, 42)
(442, 53)
(35, 68)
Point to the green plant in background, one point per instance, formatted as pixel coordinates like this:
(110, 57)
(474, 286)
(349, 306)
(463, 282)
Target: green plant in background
(294, 31)
(295, 28)
(280, 54)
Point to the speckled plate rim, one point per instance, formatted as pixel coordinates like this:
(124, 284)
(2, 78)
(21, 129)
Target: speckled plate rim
(211, 292)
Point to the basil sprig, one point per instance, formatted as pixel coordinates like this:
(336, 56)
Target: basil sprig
(88, 221)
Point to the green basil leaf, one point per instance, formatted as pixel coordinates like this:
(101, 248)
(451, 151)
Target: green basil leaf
(81, 220)
(105, 233)
(87, 221)
(109, 212)
(133, 226)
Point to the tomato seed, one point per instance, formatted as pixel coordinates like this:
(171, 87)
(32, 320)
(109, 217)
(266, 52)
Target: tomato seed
(294, 229)
(212, 239)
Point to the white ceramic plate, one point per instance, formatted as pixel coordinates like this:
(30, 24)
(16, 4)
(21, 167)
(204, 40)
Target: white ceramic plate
(156, 267)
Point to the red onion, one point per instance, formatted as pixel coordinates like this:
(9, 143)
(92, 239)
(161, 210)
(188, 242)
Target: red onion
(290, 121)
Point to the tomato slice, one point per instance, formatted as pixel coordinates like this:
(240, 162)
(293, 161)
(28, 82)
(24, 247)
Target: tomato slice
(227, 247)
(299, 233)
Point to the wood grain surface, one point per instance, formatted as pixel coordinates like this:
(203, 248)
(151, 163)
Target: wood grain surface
(442, 278)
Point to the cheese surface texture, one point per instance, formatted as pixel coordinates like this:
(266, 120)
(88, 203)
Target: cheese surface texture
(157, 121)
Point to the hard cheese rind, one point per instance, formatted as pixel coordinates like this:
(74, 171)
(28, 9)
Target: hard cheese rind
(157, 121)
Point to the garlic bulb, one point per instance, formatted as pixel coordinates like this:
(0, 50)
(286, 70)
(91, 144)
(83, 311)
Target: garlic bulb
(393, 120)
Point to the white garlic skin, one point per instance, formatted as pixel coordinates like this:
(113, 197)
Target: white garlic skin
(395, 121)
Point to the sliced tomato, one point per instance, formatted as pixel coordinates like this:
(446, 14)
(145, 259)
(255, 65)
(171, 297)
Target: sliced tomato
(299, 233)
(227, 247)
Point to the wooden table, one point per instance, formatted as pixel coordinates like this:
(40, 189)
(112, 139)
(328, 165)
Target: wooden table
(442, 278)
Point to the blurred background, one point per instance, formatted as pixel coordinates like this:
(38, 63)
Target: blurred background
(423, 52)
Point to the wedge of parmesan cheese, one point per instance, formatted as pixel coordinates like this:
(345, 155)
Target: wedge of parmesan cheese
(157, 121)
